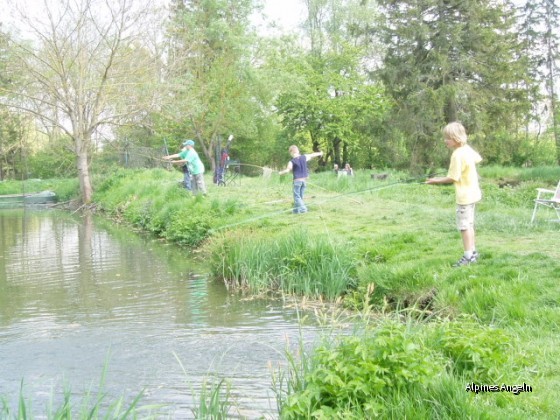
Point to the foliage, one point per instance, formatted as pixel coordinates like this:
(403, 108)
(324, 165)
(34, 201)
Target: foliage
(295, 262)
(478, 352)
(331, 104)
(12, 147)
(188, 226)
(54, 160)
(539, 24)
(402, 368)
(432, 71)
(352, 377)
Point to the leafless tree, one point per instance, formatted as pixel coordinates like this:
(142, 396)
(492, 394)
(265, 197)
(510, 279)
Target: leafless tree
(85, 68)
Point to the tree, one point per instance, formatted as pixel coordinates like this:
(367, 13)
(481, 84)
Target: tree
(332, 97)
(209, 72)
(330, 103)
(539, 29)
(85, 69)
(451, 60)
(10, 124)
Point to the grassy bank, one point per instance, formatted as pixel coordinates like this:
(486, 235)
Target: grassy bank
(383, 247)
(66, 189)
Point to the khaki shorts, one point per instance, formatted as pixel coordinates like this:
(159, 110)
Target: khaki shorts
(465, 216)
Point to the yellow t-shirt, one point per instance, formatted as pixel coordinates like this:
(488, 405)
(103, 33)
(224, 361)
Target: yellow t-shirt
(462, 169)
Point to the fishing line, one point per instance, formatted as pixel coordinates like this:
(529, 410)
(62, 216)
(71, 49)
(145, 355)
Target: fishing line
(331, 191)
(254, 166)
(382, 187)
(376, 188)
(263, 216)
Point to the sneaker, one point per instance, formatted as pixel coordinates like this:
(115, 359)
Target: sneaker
(466, 261)
(475, 257)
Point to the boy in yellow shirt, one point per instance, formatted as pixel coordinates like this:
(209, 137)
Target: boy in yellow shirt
(462, 173)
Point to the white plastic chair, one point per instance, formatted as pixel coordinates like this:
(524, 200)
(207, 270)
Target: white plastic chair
(548, 198)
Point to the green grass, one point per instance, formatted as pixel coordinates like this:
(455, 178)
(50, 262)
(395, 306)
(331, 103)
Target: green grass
(382, 247)
(294, 263)
(65, 189)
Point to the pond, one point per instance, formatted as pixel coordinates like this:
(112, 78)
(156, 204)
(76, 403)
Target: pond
(88, 306)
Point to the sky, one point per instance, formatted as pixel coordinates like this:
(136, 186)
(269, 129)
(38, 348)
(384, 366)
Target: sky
(288, 14)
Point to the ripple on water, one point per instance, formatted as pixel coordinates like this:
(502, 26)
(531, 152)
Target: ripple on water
(77, 300)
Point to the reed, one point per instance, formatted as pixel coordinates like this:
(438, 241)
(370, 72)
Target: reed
(90, 405)
(294, 263)
(214, 401)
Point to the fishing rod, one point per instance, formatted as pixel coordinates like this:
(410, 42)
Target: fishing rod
(169, 164)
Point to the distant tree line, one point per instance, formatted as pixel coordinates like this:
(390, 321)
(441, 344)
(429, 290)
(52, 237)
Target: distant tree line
(370, 83)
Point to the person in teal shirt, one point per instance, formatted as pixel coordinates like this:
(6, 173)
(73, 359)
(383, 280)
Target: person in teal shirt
(188, 156)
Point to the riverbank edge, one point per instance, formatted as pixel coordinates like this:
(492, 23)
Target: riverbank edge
(417, 301)
(520, 338)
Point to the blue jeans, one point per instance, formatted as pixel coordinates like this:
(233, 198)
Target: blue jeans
(299, 205)
(187, 180)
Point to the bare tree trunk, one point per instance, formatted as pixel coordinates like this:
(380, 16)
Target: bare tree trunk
(552, 98)
(84, 177)
(337, 152)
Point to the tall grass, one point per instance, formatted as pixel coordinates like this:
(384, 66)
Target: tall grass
(546, 174)
(214, 401)
(295, 262)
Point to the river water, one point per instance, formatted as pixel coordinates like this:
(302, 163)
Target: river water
(89, 307)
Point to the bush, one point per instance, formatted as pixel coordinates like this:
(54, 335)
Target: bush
(53, 161)
(187, 227)
(477, 351)
(352, 378)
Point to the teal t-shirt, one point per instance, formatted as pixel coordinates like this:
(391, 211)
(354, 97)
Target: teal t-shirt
(193, 161)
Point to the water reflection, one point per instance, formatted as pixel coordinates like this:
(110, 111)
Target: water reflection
(76, 293)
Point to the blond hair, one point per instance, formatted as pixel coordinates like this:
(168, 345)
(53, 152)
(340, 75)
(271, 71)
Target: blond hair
(455, 131)
(293, 148)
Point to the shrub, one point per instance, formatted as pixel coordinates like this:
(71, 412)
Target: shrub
(476, 351)
(354, 376)
(188, 227)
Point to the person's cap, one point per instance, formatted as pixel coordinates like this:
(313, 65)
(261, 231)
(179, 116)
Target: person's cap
(188, 143)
